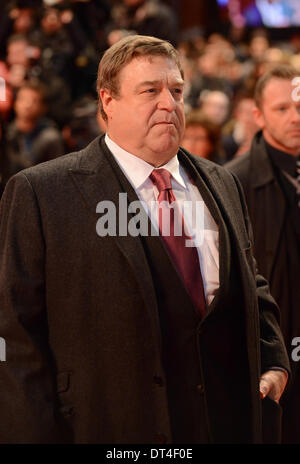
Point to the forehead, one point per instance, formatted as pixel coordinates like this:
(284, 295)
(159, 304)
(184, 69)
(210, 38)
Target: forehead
(18, 44)
(277, 89)
(217, 98)
(150, 68)
(29, 93)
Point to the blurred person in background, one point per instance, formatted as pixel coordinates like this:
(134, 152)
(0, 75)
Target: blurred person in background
(240, 130)
(202, 137)
(93, 16)
(31, 137)
(191, 43)
(6, 94)
(215, 105)
(209, 65)
(117, 34)
(23, 62)
(270, 176)
(259, 43)
(146, 17)
(14, 70)
(20, 51)
(83, 126)
(17, 17)
(60, 40)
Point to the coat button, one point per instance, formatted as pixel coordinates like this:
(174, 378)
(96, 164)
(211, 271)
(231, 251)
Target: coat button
(200, 388)
(161, 438)
(158, 380)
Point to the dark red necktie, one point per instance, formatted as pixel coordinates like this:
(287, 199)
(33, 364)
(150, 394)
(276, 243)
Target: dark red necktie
(184, 258)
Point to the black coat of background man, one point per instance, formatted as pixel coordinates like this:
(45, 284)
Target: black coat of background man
(269, 174)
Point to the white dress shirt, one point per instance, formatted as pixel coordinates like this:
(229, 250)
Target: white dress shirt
(206, 237)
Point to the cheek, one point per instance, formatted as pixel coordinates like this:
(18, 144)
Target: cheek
(274, 120)
(181, 122)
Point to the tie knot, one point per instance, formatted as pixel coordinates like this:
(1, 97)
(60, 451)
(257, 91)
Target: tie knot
(162, 179)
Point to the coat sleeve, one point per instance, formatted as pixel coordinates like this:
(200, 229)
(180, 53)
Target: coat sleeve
(272, 347)
(27, 398)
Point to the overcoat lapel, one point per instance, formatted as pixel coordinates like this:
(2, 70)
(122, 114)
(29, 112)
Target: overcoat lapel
(219, 190)
(96, 181)
(264, 188)
(205, 183)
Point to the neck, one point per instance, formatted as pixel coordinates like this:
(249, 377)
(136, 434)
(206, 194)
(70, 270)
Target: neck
(278, 146)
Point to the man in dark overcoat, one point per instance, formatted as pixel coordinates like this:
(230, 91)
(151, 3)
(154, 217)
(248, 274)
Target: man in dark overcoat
(116, 336)
(270, 176)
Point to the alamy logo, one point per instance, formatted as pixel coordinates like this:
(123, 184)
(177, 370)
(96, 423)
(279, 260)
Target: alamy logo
(2, 89)
(296, 91)
(140, 213)
(2, 349)
(296, 351)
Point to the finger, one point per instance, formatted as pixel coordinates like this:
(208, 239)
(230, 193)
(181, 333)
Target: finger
(264, 388)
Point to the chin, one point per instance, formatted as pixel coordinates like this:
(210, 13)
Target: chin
(167, 144)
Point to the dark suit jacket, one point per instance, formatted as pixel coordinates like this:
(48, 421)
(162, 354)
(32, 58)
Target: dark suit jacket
(79, 314)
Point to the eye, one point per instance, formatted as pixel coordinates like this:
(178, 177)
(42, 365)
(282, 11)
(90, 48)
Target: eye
(177, 92)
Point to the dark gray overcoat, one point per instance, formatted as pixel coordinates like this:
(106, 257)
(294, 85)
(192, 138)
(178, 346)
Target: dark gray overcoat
(78, 313)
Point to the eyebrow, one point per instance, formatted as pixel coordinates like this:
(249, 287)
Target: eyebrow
(157, 82)
(282, 102)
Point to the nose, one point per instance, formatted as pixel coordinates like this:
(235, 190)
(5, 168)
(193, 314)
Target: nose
(166, 100)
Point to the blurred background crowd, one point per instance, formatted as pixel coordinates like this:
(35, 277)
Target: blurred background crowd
(50, 50)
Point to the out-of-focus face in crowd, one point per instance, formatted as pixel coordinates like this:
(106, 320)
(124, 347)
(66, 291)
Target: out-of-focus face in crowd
(51, 21)
(215, 106)
(17, 53)
(258, 47)
(196, 141)
(243, 113)
(29, 104)
(23, 22)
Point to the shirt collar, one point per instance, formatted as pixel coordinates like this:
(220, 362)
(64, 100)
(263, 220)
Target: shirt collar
(137, 170)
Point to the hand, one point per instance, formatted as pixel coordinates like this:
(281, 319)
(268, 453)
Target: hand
(272, 384)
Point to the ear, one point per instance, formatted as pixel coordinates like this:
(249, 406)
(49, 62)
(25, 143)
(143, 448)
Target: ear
(258, 117)
(107, 101)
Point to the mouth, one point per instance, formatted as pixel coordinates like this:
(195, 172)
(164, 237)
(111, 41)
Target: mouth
(164, 123)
